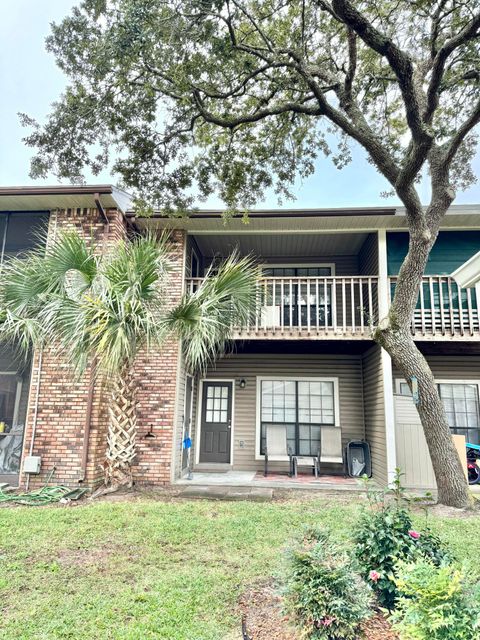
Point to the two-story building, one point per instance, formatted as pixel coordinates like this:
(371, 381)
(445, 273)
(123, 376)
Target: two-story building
(306, 362)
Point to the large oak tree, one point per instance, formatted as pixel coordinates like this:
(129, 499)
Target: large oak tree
(236, 96)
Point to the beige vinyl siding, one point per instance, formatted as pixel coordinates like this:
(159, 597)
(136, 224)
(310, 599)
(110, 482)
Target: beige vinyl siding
(449, 367)
(412, 450)
(347, 368)
(374, 400)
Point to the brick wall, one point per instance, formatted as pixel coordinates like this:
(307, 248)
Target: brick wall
(60, 414)
(58, 402)
(157, 376)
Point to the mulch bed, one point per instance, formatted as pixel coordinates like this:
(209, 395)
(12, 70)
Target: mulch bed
(264, 619)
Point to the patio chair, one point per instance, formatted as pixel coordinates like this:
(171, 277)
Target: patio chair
(329, 451)
(276, 447)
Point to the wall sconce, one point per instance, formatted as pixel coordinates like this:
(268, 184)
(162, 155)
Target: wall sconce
(150, 433)
(242, 383)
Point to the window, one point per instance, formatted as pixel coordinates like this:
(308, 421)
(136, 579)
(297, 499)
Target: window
(303, 406)
(305, 300)
(194, 265)
(11, 433)
(21, 231)
(462, 406)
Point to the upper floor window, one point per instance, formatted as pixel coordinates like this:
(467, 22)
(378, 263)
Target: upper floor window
(297, 271)
(21, 231)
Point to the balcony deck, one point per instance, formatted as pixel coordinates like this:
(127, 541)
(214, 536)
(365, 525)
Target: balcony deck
(444, 310)
(346, 307)
(327, 307)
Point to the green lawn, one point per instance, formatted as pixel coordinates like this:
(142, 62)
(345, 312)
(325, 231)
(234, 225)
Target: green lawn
(148, 568)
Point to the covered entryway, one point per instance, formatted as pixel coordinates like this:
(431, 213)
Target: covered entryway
(216, 422)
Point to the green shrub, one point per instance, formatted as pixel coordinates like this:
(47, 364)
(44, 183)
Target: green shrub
(324, 595)
(435, 603)
(385, 534)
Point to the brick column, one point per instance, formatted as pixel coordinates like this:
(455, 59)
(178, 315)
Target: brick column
(158, 382)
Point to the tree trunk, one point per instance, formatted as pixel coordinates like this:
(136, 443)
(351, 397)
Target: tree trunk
(122, 432)
(393, 334)
(451, 482)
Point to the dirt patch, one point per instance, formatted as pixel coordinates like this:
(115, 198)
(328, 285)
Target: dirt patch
(261, 608)
(264, 619)
(377, 628)
(83, 557)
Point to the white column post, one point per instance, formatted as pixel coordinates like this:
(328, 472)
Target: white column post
(386, 361)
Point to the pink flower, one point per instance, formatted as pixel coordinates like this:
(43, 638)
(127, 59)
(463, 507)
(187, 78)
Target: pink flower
(374, 576)
(414, 534)
(327, 621)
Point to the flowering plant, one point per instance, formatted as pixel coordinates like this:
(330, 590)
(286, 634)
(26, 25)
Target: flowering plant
(323, 592)
(385, 535)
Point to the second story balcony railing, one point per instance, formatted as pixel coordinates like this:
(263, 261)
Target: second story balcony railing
(324, 307)
(444, 310)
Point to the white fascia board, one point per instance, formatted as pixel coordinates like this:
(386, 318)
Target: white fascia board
(468, 275)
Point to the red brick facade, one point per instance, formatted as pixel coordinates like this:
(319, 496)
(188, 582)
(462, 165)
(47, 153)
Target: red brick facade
(157, 390)
(58, 404)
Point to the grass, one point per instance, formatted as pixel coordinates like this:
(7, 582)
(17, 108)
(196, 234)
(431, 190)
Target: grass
(147, 568)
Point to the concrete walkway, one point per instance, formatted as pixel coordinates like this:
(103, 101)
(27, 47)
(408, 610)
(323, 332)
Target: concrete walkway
(253, 480)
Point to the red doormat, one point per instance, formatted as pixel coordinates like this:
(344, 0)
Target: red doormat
(305, 478)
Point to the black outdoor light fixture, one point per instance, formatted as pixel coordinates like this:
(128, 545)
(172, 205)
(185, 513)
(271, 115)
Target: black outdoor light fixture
(242, 383)
(150, 433)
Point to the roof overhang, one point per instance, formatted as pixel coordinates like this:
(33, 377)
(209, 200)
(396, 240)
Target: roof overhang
(304, 220)
(468, 275)
(63, 197)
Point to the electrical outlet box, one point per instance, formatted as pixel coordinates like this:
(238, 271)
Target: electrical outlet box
(32, 464)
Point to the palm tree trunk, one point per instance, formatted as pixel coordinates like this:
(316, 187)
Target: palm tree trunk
(122, 431)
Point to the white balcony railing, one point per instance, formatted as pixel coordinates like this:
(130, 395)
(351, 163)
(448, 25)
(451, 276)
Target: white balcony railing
(444, 308)
(323, 306)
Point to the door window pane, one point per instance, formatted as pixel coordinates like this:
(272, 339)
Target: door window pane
(216, 404)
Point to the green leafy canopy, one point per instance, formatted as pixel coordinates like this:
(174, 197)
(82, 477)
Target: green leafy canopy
(237, 96)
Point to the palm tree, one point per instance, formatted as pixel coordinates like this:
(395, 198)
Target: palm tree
(101, 311)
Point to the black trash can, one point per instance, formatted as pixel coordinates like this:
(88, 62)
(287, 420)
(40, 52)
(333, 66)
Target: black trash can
(358, 459)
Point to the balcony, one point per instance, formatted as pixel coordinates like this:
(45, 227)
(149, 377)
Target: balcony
(444, 310)
(326, 307)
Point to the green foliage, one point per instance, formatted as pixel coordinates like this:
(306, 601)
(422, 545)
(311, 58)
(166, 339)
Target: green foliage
(327, 599)
(385, 534)
(107, 308)
(239, 97)
(436, 602)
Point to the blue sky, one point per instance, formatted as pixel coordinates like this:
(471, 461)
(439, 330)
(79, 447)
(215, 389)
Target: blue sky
(30, 82)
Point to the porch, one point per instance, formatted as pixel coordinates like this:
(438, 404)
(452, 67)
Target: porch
(319, 396)
(255, 480)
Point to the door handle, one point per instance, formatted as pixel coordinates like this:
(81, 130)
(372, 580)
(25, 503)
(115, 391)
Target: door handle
(229, 424)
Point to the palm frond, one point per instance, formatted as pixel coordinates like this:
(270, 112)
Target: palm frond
(206, 319)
